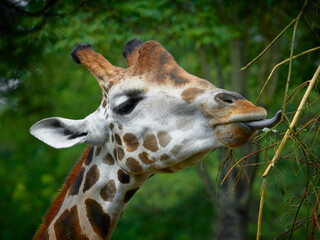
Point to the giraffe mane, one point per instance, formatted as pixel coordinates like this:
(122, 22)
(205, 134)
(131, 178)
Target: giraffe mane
(52, 211)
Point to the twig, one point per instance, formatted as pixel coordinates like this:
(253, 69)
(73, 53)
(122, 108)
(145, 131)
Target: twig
(276, 156)
(266, 49)
(299, 206)
(279, 64)
(263, 188)
(291, 55)
(315, 221)
(294, 121)
(245, 157)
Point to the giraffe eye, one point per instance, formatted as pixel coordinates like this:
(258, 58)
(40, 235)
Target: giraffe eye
(128, 106)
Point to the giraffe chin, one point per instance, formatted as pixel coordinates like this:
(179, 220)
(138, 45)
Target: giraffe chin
(233, 135)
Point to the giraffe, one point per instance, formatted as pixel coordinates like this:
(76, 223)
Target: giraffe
(154, 117)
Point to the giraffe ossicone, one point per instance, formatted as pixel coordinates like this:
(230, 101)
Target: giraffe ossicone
(154, 117)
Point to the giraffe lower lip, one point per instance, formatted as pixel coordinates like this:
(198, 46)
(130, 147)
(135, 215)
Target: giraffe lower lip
(260, 124)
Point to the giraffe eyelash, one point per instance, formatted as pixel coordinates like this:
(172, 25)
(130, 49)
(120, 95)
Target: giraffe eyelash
(127, 106)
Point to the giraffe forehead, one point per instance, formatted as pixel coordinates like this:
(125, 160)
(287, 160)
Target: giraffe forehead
(174, 81)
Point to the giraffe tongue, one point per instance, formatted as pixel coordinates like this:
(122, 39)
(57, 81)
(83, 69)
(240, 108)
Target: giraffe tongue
(255, 125)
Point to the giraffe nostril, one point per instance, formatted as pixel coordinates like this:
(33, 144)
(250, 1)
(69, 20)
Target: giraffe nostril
(226, 98)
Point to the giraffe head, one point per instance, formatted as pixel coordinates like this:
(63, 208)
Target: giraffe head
(154, 116)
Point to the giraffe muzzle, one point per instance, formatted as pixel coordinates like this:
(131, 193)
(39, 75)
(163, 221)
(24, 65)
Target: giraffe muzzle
(265, 123)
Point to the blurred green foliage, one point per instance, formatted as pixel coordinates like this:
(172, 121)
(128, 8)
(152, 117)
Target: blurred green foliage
(38, 80)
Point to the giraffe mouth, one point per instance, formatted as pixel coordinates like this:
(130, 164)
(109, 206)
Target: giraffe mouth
(265, 123)
(239, 131)
(254, 122)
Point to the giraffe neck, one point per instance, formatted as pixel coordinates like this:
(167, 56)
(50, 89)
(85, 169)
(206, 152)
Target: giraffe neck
(94, 202)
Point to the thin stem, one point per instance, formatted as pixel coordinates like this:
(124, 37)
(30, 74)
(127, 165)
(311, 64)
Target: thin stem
(276, 156)
(294, 121)
(315, 221)
(244, 158)
(291, 55)
(266, 49)
(279, 64)
(263, 188)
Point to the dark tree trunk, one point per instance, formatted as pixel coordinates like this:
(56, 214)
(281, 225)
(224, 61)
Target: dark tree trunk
(203, 64)
(234, 195)
(235, 191)
(270, 59)
(239, 81)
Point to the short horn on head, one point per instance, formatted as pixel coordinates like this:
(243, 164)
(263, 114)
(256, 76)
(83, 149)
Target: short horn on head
(131, 51)
(100, 67)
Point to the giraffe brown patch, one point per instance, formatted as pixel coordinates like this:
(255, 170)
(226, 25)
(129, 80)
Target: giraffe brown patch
(100, 221)
(205, 83)
(74, 189)
(131, 142)
(191, 93)
(115, 154)
(111, 126)
(120, 126)
(164, 138)
(129, 194)
(133, 165)
(98, 150)
(118, 139)
(104, 103)
(123, 177)
(105, 89)
(108, 192)
(67, 226)
(145, 158)
(150, 142)
(108, 159)
(184, 124)
(112, 138)
(165, 158)
(176, 149)
(91, 178)
(175, 76)
(110, 84)
(164, 58)
(120, 153)
(89, 156)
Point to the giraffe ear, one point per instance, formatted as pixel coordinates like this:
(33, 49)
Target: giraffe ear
(60, 132)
